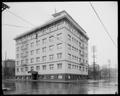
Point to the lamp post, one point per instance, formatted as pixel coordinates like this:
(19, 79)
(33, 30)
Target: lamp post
(94, 50)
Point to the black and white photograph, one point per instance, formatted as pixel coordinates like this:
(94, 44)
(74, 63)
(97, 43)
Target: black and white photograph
(68, 47)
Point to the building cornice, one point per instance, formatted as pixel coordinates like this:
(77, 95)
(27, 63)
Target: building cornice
(67, 16)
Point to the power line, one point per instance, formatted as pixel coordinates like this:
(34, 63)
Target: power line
(102, 23)
(21, 18)
(15, 26)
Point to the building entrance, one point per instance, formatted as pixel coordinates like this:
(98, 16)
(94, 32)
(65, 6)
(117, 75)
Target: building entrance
(34, 75)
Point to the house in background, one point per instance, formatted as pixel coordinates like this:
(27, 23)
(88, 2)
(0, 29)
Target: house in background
(8, 69)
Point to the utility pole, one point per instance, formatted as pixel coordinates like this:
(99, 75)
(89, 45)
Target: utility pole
(94, 50)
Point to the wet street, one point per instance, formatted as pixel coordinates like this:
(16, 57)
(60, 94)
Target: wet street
(37, 87)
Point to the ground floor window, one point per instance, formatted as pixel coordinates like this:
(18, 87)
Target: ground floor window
(59, 76)
(52, 77)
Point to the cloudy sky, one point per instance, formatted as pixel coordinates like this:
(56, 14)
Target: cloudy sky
(37, 13)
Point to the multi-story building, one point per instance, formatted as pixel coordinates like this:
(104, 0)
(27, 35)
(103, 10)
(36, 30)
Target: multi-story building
(8, 69)
(56, 50)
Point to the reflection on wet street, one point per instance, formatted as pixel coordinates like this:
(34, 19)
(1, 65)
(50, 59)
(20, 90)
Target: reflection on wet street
(36, 87)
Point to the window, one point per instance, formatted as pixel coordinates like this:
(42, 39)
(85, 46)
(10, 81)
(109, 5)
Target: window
(51, 47)
(44, 49)
(44, 67)
(44, 30)
(69, 66)
(51, 66)
(21, 69)
(22, 61)
(69, 37)
(59, 46)
(69, 56)
(44, 41)
(22, 47)
(51, 57)
(27, 53)
(32, 60)
(17, 69)
(80, 44)
(37, 59)
(37, 42)
(26, 61)
(17, 55)
(17, 48)
(76, 58)
(51, 38)
(76, 41)
(37, 51)
(73, 57)
(22, 55)
(37, 67)
(27, 45)
(79, 59)
(32, 37)
(26, 68)
(32, 52)
(73, 66)
(80, 52)
(83, 68)
(32, 44)
(17, 62)
(86, 69)
(76, 49)
(69, 46)
(59, 65)
(59, 36)
(72, 48)
(79, 67)
(83, 60)
(36, 36)
(59, 55)
(32, 68)
(73, 39)
(43, 58)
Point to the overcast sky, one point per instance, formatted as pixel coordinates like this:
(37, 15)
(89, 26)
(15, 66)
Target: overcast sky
(38, 13)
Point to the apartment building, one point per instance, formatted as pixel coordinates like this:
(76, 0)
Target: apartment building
(56, 50)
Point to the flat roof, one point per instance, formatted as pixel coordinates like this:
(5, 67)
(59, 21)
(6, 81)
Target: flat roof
(67, 16)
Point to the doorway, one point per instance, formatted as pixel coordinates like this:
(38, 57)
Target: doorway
(34, 76)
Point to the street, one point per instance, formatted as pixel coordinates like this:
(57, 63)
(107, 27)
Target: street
(37, 87)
